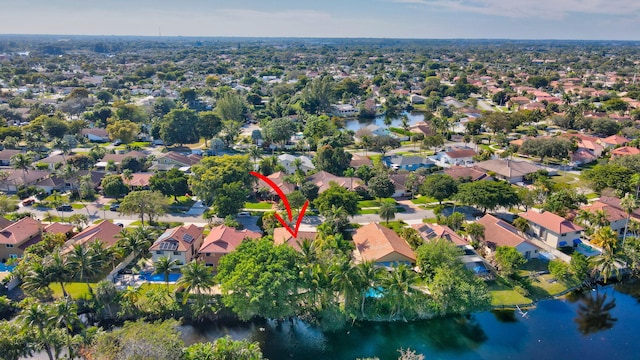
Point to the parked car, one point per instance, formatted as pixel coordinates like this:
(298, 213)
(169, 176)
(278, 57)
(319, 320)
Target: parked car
(28, 202)
(114, 207)
(64, 207)
(244, 214)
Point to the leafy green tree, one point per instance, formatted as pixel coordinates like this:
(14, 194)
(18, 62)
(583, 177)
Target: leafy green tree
(579, 266)
(140, 340)
(131, 112)
(123, 130)
(16, 341)
(55, 127)
(332, 160)
(509, 259)
(337, 196)
(180, 126)
(557, 148)
(381, 187)
(279, 130)
(439, 187)
(7, 205)
(317, 95)
(456, 290)
(488, 195)
(230, 199)
(213, 172)
(260, 279)
(605, 127)
(113, 186)
(170, 183)
(145, 202)
(560, 202)
(231, 107)
(223, 348)
(209, 124)
(559, 269)
(317, 127)
(610, 175)
(387, 210)
(162, 106)
(437, 253)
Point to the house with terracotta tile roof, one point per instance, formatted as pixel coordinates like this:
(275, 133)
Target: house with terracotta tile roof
(430, 232)
(105, 231)
(282, 236)
(552, 229)
(509, 170)
(624, 151)
(382, 245)
(463, 173)
(279, 179)
(173, 159)
(59, 228)
(221, 241)
(617, 203)
(616, 217)
(18, 236)
(498, 232)
(613, 141)
(180, 243)
(138, 180)
(322, 179)
(358, 161)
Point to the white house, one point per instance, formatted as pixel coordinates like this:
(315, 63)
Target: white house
(552, 229)
(454, 157)
(288, 161)
(344, 110)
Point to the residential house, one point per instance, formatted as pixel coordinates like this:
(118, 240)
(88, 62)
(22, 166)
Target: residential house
(60, 228)
(455, 157)
(409, 163)
(422, 128)
(322, 179)
(582, 156)
(283, 236)
(552, 229)
(96, 135)
(105, 231)
(498, 232)
(613, 141)
(586, 142)
(117, 158)
(138, 180)
(624, 151)
(221, 241)
(17, 236)
(278, 178)
(5, 156)
(616, 203)
(616, 217)
(173, 159)
(509, 170)
(18, 178)
(53, 162)
(467, 174)
(344, 110)
(430, 232)
(374, 242)
(180, 243)
(373, 130)
(50, 184)
(288, 161)
(401, 188)
(358, 161)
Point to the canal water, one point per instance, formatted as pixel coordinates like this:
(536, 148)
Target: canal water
(592, 324)
(396, 121)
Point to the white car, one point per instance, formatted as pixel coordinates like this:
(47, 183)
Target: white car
(244, 214)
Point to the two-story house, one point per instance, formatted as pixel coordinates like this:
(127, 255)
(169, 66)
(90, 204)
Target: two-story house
(16, 237)
(180, 243)
(221, 241)
(498, 232)
(289, 163)
(552, 229)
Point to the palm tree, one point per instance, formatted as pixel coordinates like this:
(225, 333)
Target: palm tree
(521, 224)
(127, 176)
(196, 277)
(106, 292)
(397, 284)
(22, 162)
(387, 210)
(600, 219)
(129, 299)
(86, 187)
(70, 174)
(57, 267)
(606, 264)
(36, 279)
(255, 153)
(606, 238)
(65, 315)
(84, 264)
(344, 280)
(368, 274)
(629, 203)
(135, 241)
(475, 231)
(165, 265)
(36, 316)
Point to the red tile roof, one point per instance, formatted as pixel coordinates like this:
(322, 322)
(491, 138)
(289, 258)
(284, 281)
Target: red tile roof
(183, 236)
(104, 231)
(223, 239)
(282, 236)
(58, 228)
(374, 242)
(625, 150)
(20, 231)
(551, 221)
(498, 232)
(615, 140)
(138, 179)
(439, 231)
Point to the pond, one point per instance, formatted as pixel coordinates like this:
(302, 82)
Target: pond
(588, 324)
(396, 121)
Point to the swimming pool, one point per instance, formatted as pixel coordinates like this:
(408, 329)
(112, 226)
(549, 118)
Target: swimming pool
(8, 268)
(148, 276)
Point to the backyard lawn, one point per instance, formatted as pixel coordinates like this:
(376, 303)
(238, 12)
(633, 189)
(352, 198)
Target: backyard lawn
(423, 200)
(503, 295)
(258, 205)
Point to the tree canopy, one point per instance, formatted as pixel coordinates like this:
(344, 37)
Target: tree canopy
(487, 195)
(210, 174)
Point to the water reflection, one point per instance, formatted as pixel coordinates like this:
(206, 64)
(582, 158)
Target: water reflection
(505, 316)
(594, 313)
(384, 121)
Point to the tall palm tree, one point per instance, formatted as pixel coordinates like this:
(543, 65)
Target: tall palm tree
(475, 231)
(629, 203)
(255, 153)
(127, 176)
(344, 281)
(84, 264)
(22, 162)
(196, 277)
(63, 146)
(606, 264)
(36, 279)
(606, 238)
(57, 267)
(105, 294)
(36, 316)
(521, 224)
(129, 299)
(397, 284)
(368, 274)
(387, 210)
(165, 265)
(65, 315)
(135, 241)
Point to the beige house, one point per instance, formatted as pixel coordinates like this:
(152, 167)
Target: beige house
(552, 229)
(377, 243)
(180, 243)
(16, 237)
(498, 232)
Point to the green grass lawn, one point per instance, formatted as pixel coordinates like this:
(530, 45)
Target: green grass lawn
(374, 202)
(503, 295)
(77, 206)
(258, 205)
(394, 225)
(429, 220)
(420, 200)
(183, 201)
(592, 196)
(367, 211)
(544, 286)
(77, 290)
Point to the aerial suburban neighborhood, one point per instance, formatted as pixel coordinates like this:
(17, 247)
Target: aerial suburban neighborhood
(423, 179)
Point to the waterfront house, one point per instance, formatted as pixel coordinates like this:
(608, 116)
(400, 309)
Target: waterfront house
(498, 232)
(105, 231)
(616, 217)
(374, 242)
(552, 229)
(180, 243)
(282, 236)
(221, 241)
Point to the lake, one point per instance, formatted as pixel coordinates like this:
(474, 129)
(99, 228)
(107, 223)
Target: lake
(587, 325)
(396, 121)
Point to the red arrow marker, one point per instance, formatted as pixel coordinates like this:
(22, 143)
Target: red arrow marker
(285, 201)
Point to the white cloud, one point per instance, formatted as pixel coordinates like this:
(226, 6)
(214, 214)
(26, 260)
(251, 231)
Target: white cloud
(546, 9)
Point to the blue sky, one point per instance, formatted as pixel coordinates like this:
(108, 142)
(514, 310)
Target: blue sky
(513, 19)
